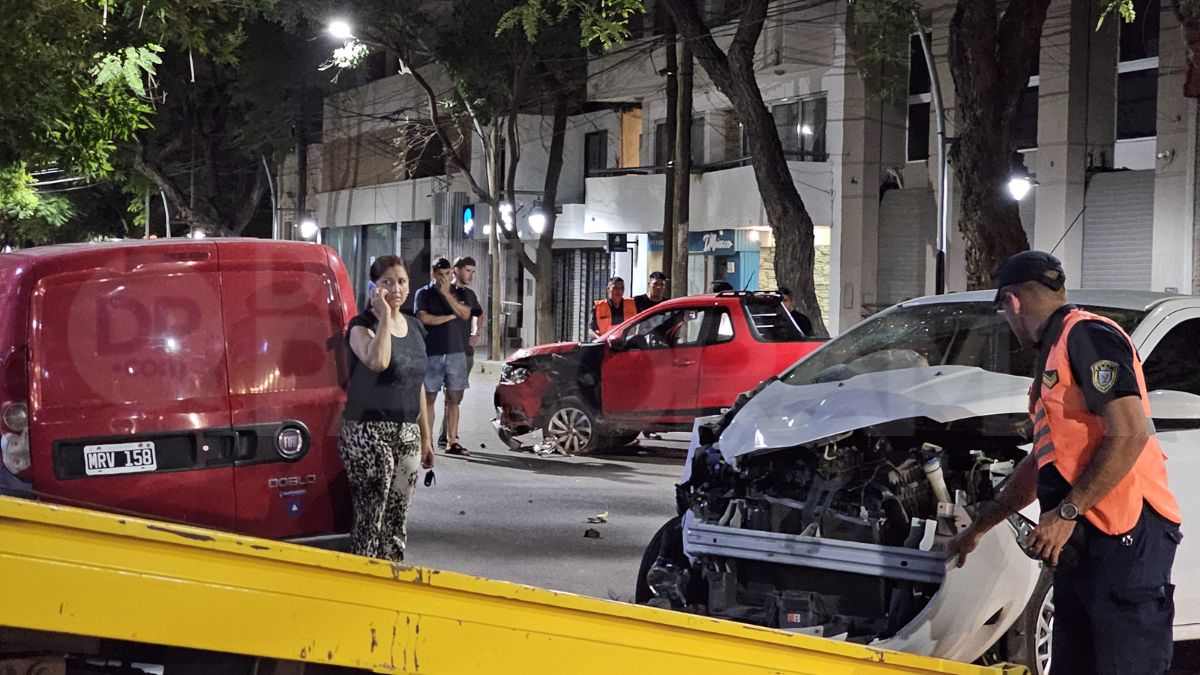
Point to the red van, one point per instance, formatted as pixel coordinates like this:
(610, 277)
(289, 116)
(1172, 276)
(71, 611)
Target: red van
(198, 381)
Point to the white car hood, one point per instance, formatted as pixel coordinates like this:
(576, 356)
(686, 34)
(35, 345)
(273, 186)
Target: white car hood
(784, 415)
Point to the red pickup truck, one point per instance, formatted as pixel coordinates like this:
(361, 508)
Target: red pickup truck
(657, 371)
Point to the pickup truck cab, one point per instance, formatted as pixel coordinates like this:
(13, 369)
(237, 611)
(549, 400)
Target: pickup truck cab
(657, 371)
(196, 381)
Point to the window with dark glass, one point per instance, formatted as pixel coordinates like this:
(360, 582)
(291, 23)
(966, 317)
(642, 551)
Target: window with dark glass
(1025, 131)
(919, 89)
(662, 145)
(595, 151)
(801, 128)
(1139, 39)
(1137, 104)
(1137, 73)
(1173, 364)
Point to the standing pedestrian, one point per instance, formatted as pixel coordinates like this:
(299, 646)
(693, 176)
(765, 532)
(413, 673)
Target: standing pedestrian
(443, 311)
(384, 436)
(1109, 526)
(789, 303)
(464, 274)
(656, 292)
(613, 309)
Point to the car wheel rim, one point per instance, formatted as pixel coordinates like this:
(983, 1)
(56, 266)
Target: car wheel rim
(1045, 632)
(571, 430)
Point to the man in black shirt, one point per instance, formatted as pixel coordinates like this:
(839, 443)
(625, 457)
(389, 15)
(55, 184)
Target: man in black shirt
(789, 303)
(464, 274)
(444, 311)
(656, 292)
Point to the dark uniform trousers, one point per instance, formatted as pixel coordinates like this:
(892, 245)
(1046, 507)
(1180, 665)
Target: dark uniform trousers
(1113, 611)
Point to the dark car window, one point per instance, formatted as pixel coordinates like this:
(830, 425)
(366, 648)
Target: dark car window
(1173, 363)
(678, 328)
(770, 322)
(951, 333)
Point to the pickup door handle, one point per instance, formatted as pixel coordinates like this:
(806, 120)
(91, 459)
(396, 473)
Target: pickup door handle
(683, 363)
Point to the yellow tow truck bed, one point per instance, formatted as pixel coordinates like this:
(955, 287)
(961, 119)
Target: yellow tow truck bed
(85, 573)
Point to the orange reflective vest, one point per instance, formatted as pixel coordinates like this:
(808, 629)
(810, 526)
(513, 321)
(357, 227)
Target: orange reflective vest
(1066, 433)
(604, 313)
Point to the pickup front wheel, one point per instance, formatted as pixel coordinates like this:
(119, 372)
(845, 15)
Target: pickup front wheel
(573, 426)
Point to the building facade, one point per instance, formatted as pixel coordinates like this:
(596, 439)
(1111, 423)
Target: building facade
(1104, 130)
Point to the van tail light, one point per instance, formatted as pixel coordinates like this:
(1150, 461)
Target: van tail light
(14, 413)
(14, 439)
(16, 417)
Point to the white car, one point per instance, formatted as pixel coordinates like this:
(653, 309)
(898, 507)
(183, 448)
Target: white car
(820, 502)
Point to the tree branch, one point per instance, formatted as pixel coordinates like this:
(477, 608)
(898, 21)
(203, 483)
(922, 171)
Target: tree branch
(750, 26)
(168, 186)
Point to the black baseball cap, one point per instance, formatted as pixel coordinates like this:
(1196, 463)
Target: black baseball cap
(441, 264)
(1025, 266)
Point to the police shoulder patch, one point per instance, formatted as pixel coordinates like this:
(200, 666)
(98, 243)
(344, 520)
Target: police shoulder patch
(1104, 375)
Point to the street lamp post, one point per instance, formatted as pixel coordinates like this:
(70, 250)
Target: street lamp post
(943, 206)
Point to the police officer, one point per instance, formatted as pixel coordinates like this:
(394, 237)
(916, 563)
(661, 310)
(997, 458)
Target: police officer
(1100, 478)
(612, 309)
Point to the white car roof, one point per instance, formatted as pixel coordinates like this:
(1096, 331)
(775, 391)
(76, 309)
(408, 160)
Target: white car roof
(1118, 299)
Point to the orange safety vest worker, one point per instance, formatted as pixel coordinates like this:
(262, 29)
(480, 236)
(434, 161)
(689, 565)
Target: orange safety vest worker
(1068, 434)
(604, 318)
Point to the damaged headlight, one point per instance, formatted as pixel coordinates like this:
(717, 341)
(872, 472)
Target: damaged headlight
(514, 374)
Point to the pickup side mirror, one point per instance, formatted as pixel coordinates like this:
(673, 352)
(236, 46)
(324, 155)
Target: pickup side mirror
(1174, 409)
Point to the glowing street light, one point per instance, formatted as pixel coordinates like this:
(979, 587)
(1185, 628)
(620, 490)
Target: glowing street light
(537, 220)
(1020, 186)
(308, 229)
(340, 29)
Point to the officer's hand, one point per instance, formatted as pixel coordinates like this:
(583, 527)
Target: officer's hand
(1049, 537)
(961, 544)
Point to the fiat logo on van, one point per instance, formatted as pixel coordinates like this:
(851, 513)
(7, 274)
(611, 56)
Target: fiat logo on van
(289, 443)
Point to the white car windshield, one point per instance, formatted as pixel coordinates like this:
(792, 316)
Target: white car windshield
(915, 336)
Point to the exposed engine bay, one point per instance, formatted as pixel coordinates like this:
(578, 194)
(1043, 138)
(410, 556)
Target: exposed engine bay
(840, 537)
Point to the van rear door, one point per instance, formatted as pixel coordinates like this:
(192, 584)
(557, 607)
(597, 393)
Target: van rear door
(129, 393)
(283, 309)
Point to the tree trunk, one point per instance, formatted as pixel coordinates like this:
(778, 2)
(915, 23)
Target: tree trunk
(543, 270)
(1191, 39)
(672, 91)
(682, 175)
(990, 61)
(733, 75)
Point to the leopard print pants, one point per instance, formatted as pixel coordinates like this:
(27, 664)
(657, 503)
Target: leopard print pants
(382, 461)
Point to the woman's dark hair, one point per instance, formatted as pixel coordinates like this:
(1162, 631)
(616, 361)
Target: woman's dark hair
(384, 263)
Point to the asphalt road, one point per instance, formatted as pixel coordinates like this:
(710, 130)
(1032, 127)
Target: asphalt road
(519, 517)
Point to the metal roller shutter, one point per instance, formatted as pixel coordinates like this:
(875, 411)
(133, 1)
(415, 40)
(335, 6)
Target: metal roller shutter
(907, 233)
(1117, 229)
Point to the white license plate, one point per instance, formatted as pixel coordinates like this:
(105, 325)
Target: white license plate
(113, 458)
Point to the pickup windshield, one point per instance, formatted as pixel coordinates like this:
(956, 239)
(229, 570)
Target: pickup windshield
(950, 333)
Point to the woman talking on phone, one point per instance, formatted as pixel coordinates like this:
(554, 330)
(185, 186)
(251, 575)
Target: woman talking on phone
(384, 438)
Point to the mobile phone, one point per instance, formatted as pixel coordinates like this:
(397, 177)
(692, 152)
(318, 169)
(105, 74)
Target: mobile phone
(371, 286)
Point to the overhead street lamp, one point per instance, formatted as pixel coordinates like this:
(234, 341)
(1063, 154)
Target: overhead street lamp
(308, 230)
(340, 30)
(1020, 186)
(537, 219)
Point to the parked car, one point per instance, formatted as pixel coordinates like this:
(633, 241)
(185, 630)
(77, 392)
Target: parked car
(657, 371)
(820, 502)
(197, 381)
